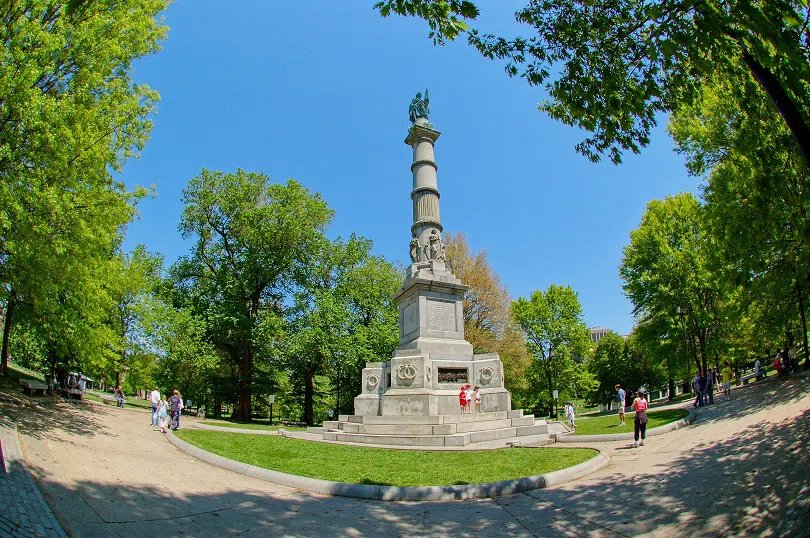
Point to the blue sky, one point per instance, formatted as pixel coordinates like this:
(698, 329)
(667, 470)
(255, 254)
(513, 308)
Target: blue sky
(319, 91)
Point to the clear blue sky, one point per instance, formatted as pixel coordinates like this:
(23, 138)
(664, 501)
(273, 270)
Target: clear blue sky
(319, 91)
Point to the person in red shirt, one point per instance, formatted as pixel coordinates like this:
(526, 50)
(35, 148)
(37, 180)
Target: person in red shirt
(462, 400)
(640, 422)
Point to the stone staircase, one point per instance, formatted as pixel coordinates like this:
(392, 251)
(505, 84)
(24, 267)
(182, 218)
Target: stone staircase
(437, 430)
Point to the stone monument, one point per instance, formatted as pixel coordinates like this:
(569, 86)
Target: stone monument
(416, 392)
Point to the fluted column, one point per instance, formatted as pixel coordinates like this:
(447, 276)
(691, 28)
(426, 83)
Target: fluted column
(425, 193)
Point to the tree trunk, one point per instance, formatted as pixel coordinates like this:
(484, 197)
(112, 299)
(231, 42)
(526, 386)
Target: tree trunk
(309, 393)
(671, 387)
(800, 295)
(10, 307)
(784, 104)
(550, 393)
(704, 362)
(243, 409)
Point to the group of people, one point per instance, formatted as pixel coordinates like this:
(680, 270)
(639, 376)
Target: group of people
(466, 399)
(704, 383)
(640, 406)
(166, 413)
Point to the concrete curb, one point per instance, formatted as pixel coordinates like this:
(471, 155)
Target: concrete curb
(678, 424)
(395, 493)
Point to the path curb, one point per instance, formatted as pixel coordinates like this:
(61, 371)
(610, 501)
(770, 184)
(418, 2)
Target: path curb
(394, 493)
(678, 424)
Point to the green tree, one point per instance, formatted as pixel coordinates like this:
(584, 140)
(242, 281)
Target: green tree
(667, 270)
(69, 114)
(555, 333)
(343, 317)
(610, 67)
(608, 366)
(133, 287)
(757, 197)
(252, 238)
(188, 361)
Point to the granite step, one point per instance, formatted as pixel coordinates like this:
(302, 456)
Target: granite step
(400, 429)
(463, 427)
(399, 440)
(526, 420)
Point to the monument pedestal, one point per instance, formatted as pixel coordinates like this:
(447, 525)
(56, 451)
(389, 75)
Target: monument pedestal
(413, 399)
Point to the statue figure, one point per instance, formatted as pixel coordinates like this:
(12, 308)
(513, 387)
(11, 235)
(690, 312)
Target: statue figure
(414, 250)
(420, 108)
(436, 246)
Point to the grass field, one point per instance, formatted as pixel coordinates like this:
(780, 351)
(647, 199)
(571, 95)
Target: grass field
(606, 424)
(250, 425)
(360, 465)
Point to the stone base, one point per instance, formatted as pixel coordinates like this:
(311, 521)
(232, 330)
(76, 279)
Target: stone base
(433, 430)
(407, 402)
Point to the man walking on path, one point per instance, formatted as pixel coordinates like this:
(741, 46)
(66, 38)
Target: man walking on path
(710, 381)
(727, 380)
(697, 384)
(620, 401)
(155, 398)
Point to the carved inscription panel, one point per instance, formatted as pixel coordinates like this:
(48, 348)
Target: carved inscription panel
(441, 315)
(410, 318)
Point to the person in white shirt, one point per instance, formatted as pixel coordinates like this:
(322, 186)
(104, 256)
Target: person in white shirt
(155, 398)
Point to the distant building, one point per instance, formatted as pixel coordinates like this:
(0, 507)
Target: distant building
(597, 333)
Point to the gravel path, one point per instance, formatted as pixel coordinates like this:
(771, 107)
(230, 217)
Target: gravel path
(740, 470)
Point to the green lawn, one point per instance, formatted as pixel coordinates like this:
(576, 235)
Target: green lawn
(360, 465)
(606, 424)
(250, 425)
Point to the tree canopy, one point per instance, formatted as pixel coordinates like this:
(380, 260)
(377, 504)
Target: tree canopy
(69, 115)
(610, 67)
(251, 239)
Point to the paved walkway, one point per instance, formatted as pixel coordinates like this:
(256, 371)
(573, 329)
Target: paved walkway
(23, 511)
(741, 470)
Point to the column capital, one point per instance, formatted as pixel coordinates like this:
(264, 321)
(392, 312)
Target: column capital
(420, 132)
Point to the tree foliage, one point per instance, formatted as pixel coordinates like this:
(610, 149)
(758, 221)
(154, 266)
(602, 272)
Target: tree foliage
(344, 316)
(556, 335)
(488, 323)
(251, 239)
(69, 114)
(667, 270)
(757, 200)
(611, 67)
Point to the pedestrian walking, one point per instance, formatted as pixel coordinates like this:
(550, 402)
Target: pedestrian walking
(162, 414)
(620, 401)
(697, 384)
(727, 380)
(640, 422)
(154, 397)
(710, 380)
(571, 415)
(176, 407)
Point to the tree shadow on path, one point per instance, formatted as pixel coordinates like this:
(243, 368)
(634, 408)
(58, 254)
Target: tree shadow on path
(741, 485)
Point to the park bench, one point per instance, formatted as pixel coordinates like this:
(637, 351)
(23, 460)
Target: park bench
(749, 377)
(293, 423)
(31, 387)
